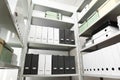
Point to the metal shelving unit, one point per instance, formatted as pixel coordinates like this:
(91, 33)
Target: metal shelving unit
(42, 21)
(112, 14)
(113, 39)
(83, 4)
(96, 5)
(7, 20)
(7, 66)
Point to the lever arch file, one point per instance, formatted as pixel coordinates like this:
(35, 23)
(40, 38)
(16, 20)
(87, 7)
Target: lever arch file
(61, 64)
(34, 66)
(72, 65)
(41, 65)
(62, 36)
(54, 64)
(27, 66)
(56, 36)
(48, 65)
(72, 37)
(67, 36)
(44, 35)
(50, 35)
(67, 64)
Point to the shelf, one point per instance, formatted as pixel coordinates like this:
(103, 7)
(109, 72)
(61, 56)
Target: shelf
(51, 22)
(112, 15)
(96, 5)
(104, 76)
(7, 66)
(109, 41)
(57, 75)
(51, 46)
(83, 4)
(45, 8)
(7, 21)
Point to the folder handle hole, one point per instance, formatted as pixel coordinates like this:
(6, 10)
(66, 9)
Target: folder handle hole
(102, 69)
(84, 69)
(106, 35)
(107, 69)
(90, 69)
(113, 69)
(94, 69)
(98, 69)
(87, 69)
(105, 29)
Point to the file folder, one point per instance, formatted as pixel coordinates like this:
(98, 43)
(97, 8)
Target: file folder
(50, 35)
(72, 37)
(34, 66)
(32, 33)
(44, 34)
(72, 65)
(27, 65)
(67, 36)
(67, 64)
(56, 36)
(61, 64)
(41, 65)
(54, 64)
(62, 36)
(48, 65)
(38, 34)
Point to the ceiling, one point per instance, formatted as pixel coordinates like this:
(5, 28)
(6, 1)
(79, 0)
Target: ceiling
(69, 2)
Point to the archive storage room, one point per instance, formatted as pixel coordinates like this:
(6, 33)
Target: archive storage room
(59, 39)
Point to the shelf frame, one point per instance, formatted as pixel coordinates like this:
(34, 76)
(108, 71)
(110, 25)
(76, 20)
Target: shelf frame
(8, 66)
(93, 8)
(42, 21)
(53, 75)
(88, 32)
(48, 46)
(104, 76)
(115, 38)
(7, 20)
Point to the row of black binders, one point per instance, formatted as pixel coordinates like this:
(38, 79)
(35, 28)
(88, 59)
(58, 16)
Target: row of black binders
(49, 64)
(66, 36)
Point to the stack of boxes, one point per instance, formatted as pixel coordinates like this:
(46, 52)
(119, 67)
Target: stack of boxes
(86, 24)
(107, 29)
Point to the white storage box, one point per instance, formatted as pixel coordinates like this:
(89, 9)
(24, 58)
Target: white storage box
(104, 31)
(103, 37)
(38, 14)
